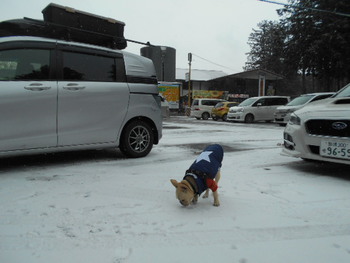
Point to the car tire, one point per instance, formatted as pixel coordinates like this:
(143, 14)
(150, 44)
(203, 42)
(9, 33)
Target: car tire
(205, 115)
(224, 117)
(137, 139)
(249, 118)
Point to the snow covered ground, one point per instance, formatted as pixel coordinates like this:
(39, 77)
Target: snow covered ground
(97, 206)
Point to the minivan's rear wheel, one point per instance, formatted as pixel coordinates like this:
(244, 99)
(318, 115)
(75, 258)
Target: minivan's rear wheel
(249, 118)
(205, 115)
(137, 139)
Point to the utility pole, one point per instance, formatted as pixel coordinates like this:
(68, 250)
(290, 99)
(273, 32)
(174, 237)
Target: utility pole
(189, 79)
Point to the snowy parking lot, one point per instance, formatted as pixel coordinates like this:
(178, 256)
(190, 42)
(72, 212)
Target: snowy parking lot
(97, 206)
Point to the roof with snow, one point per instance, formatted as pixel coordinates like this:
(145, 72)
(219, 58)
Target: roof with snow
(199, 74)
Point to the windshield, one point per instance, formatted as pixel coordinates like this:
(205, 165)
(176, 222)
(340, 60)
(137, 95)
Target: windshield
(344, 92)
(300, 100)
(247, 102)
(220, 104)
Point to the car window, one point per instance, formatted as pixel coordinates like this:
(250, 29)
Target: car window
(209, 102)
(260, 102)
(87, 67)
(301, 100)
(195, 103)
(220, 104)
(24, 64)
(321, 97)
(276, 101)
(344, 92)
(247, 102)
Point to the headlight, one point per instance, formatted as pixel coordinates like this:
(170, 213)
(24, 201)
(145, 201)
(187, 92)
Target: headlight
(294, 119)
(240, 110)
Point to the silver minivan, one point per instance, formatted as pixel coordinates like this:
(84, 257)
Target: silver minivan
(282, 113)
(57, 95)
(256, 109)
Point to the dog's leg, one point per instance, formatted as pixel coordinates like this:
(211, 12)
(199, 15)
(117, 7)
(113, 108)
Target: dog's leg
(206, 194)
(216, 198)
(195, 199)
(215, 194)
(217, 177)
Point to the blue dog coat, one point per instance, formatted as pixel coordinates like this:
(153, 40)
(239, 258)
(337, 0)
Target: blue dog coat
(205, 168)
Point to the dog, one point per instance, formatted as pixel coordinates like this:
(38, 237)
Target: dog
(203, 174)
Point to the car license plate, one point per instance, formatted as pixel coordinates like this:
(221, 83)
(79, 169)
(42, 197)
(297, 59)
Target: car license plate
(335, 149)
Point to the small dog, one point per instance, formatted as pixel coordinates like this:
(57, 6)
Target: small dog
(203, 174)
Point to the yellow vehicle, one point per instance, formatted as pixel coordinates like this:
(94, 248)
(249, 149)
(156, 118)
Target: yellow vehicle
(221, 109)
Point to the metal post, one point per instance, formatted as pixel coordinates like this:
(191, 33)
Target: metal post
(261, 89)
(189, 79)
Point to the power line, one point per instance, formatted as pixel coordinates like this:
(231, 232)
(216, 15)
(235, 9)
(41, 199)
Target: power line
(207, 60)
(307, 8)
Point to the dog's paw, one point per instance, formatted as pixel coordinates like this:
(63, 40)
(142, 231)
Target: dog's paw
(216, 203)
(205, 195)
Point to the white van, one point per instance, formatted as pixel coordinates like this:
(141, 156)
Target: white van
(256, 109)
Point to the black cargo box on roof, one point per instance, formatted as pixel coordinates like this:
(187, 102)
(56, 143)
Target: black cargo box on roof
(70, 17)
(69, 24)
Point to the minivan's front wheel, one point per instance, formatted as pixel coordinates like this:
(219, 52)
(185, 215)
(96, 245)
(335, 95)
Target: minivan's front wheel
(249, 118)
(137, 139)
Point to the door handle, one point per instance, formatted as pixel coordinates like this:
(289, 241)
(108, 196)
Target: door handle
(37, 87)
(73, 87)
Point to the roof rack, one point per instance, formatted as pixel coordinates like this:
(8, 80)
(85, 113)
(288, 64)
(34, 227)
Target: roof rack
(69, 24)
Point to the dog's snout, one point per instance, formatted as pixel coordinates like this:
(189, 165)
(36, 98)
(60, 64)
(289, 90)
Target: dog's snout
(183, 202)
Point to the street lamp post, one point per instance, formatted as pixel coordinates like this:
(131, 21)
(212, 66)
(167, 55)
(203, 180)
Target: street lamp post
(189, 79)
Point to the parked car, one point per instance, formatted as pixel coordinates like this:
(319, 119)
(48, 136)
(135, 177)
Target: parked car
(220, 110)
(282, 113)
(321, 130)
(58, 95)
(256, 109)
(201, 108)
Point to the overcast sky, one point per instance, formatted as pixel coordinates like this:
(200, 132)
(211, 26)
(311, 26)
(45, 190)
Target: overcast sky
(216, 30)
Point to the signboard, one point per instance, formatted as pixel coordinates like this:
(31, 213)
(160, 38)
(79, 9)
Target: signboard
(214, 94)
(240, 96)
(171, 92)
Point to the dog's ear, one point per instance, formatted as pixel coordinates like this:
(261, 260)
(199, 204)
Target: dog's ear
(174, 182)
